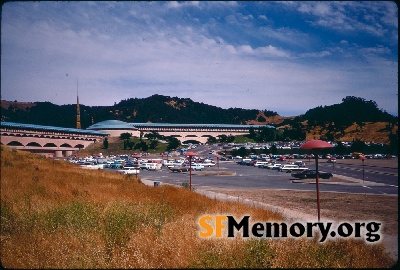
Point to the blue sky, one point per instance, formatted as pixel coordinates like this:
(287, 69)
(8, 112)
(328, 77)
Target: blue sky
(286, 57)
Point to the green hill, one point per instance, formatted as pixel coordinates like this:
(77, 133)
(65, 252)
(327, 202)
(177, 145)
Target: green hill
(354, 118)
(156, 108)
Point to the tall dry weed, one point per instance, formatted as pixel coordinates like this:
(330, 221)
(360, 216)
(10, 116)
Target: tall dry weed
(55, 215)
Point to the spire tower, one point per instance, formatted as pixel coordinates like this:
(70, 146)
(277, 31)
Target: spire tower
(78, 111)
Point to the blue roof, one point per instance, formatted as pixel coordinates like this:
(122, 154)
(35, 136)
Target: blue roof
(200, 125)
(112, 124)
(116, 124)
(51, 128)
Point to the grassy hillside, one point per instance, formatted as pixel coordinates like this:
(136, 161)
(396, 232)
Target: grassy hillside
(377, 132)
(54, 215)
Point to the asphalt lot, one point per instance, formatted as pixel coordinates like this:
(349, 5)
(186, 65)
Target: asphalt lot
(249, 177)
(377, 179)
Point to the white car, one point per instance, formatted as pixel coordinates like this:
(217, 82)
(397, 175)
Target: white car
(288, 167)
(197, 167)
(261, 163)
(150, 166)
(92, 166)
(274, 166)
(208, 164)
(129, 170)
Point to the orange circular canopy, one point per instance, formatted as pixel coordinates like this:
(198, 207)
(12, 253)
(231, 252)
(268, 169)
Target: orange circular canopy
(316, 144)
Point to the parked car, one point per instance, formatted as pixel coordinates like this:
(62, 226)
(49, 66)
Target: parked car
(260, 163)
(92, 166)
(150, 166)
(116, 165)
(290, 168)
(197, 167)
(311, 174)
(264, 166)
(274, 166)
(208, 164)
(332, 160)
(245, 161)
(129, 170)
(179, 169)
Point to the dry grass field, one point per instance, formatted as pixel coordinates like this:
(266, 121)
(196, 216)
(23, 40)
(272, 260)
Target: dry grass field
(55, 215)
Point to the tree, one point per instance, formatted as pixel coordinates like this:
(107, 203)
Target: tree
(252, 133)
(266, 134)
(230, 139)
(222, 138)
(394, 142)
(105, 143)
(129, 144)
(142, 145)
(153, 135)
(153, 144)
(211, 140)
(273, 149)
(145, 147)
(242, 151)
(125, 135)
(357, 146)
(173, 143)
(125, 144)
(340, 148)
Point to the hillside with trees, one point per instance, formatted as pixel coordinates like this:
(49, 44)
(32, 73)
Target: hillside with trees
(155, 109)
(353, 119)
(352, 109)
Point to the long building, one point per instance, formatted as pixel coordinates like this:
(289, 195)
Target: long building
(48, 140)
(183, 132)
(63, 142)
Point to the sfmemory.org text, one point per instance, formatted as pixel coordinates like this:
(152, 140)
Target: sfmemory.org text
(227, 226)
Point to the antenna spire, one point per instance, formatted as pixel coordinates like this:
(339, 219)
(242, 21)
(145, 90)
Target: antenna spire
(78, 111)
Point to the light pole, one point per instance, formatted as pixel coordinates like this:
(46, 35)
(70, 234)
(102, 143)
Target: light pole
(137, 156)
(315, 146)
(362, 159)
(190, 155)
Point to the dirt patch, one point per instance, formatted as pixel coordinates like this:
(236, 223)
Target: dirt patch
(334, 206)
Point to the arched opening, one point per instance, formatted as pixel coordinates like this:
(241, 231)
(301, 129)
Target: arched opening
(65, 145)
(191, 141)
(15, 143)
(33, 144)
(80, 146)
(49, 145)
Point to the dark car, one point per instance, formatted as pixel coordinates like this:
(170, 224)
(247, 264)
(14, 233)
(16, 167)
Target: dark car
(311, 174)
(179, 169)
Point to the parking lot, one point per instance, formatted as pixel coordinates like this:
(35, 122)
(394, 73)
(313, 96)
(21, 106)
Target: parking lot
(347, 178)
